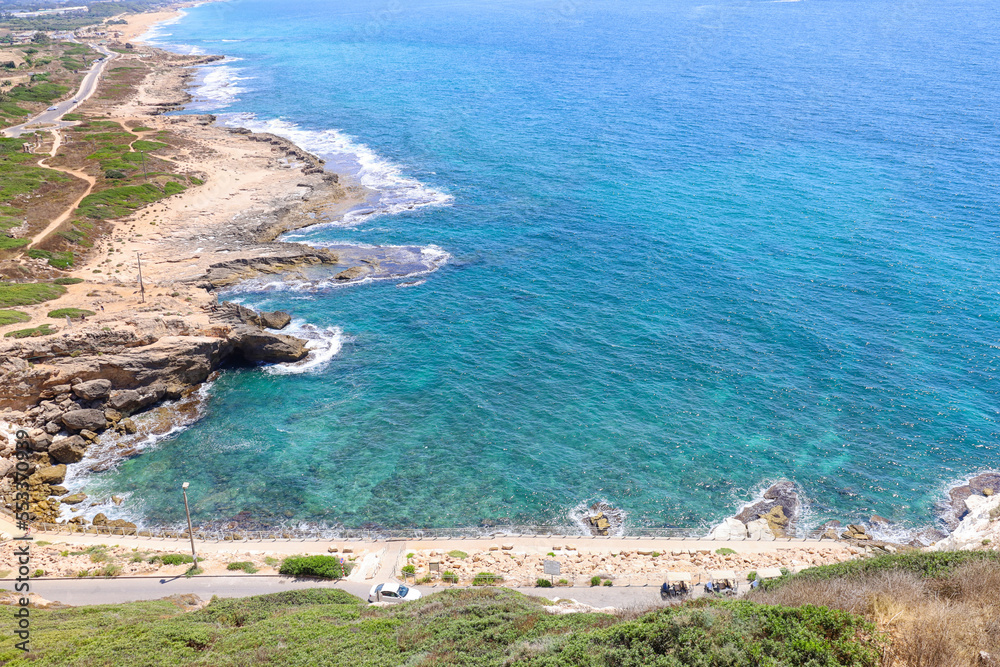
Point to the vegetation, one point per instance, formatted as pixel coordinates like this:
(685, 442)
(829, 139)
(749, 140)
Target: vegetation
(42, 330)
(458, 554)
(486, 579)
(245, 566)
(171, 559)
(72, 313)
(921, 563)
(68, 281)
(326, 567)
(12, 317)
(725, 551)
(484, 626)
(117, 202)
(27, 294)
(60, 259)
(8, 243)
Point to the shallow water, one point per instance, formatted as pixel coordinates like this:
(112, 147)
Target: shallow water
(694, 249)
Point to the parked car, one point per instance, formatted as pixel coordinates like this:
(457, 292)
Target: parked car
(392, 592)
(53, 108)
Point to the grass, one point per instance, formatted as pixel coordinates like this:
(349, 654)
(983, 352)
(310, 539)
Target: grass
(725, 551)
(27, 294)
(117, 202)
(41, 330)
(8, 243)
(68, 281)
(921, 563)
(60, 259)
(458, 554)
(72, 313)
(171, 559)
(12, 317)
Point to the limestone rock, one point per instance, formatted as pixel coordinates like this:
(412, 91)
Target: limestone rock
(68, 450)
(117, 500)
(100, 520)
(730, 529)
(759, 530)
(258, 346)
(93, 389)
(6, 466)
(128, 426)
(77, 420)
(40, 442)
(279, 319)
(74, 499)
(48, 475)
(352, 273)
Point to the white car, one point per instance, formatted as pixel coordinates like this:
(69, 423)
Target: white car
(53, 108)
(392, 592)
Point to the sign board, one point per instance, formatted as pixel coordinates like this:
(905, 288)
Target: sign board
(433, 567)
(550, 567)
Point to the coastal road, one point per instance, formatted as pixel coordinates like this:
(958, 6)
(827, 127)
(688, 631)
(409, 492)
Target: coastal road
(125, 589)
(49, 119)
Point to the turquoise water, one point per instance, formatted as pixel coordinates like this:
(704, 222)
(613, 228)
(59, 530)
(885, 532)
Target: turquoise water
(693, 249)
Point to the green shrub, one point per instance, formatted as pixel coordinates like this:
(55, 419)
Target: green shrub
(115, 173)
(595, 580)
(12, 317)
(72, 313)
(41, 330)
(271, 561)
(410, 569)
(8, 243)
(752, 575)
(38, 573)
(458, 554)
(449, 577)
(245, 566)
(725, 551)
(543, 583)
(607, 582)
(326, 567)
(27, 294)
(486, 579)
(68, 281)
(172, 559)
(59, 259)
(145, 146)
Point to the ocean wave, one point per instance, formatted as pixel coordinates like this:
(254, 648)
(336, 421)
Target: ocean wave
(396, 191)
(323, 345)
(219, 86)
(580, 514)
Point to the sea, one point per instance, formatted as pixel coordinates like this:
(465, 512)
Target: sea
(685, 250)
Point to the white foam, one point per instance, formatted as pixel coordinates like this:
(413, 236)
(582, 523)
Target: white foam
(397, 192)
(220, 86)
(323, 345)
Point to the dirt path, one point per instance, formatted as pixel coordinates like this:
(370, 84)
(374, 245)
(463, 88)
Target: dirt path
(54, 225)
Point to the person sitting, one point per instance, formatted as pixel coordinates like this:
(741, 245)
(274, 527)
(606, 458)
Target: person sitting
(664, 589)
(710, 587)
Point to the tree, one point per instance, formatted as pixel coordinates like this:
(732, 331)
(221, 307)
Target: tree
(40, 38)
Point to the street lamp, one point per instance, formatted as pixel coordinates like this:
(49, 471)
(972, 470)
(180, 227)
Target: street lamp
(187, 511)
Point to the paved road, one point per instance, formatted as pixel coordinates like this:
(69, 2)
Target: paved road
(54, 117)
(125, 589)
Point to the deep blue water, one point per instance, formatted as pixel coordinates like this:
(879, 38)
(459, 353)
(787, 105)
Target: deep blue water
(694, 249)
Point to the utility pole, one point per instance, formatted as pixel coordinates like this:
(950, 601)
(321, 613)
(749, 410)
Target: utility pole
(187, 511)
(142, 288)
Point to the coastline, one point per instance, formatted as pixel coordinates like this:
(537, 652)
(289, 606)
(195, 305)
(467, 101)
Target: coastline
(257, 187)
(241, 191)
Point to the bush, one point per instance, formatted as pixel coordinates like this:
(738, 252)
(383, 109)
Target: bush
(27, 294)
(725, 551)
(42, 330)
(115, 173)
(12, 317)
(607, 582)
(8, 243)
(449, 577)
(410, 569)
(326, 567)
(245, 566)
(72, 313)
(595, 580)
(486, 579)
(458, 554)
(172, 559)
(543, 583)
(68, 281)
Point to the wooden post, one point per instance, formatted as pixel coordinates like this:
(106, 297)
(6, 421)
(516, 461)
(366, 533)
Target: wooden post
(142, 288)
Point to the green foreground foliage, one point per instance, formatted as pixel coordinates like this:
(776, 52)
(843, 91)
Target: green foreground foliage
(482, 626)
(325, 567)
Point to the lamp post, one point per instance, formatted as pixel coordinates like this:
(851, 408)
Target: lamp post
(187, 511)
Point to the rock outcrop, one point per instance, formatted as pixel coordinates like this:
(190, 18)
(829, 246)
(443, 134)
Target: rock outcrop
(980, 525)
